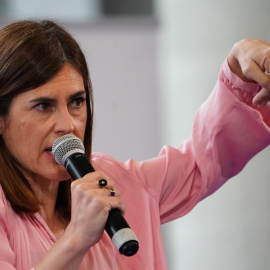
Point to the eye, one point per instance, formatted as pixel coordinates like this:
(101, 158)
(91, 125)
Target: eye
(78, 102)
(43, 107)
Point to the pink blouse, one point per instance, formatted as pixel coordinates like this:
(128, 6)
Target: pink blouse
(227, 133)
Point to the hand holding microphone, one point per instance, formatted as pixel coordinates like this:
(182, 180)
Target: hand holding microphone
(69, 151)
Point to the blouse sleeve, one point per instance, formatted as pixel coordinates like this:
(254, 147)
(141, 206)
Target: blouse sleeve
(227, 133)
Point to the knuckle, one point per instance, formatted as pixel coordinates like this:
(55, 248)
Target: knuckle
(99, 174)
(247, 70)
(265, 82)
(75, 185)
(267, 53)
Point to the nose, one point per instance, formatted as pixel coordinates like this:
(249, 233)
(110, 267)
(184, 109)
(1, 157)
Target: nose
(64, 123)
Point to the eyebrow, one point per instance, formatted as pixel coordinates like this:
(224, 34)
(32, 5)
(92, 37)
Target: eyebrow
(75, 95)
(51, 100)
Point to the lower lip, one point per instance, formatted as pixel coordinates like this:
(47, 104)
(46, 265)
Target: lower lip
(50, 156)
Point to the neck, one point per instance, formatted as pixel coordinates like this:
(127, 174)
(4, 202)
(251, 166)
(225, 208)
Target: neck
(46, 192)
(51, 216)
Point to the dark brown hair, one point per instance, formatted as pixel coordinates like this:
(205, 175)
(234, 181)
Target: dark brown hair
(32, 53)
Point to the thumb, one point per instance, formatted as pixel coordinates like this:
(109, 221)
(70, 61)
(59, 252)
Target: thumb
(261, 99)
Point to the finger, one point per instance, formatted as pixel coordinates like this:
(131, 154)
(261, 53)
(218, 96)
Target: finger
(116, 202)
(102, 176)
(103, 200)
(99, 178)
(102, 183)
(112, 192)
(253, 72)
(262, 98)
(106, 192)
(93, 186)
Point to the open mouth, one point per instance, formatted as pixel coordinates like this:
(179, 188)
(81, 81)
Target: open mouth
(49, 150)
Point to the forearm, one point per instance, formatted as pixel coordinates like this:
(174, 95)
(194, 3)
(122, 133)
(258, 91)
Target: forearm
(67, 254)
(230, 127)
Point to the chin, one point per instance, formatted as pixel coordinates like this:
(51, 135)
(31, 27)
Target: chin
(59, 175)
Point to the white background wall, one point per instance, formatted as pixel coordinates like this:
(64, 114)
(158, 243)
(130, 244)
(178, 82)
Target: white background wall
(229, 230)
(122, 61)
(149, 80)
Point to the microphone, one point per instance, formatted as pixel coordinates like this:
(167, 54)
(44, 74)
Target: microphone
(69, 152)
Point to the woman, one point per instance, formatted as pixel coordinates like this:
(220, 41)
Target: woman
(49, 222)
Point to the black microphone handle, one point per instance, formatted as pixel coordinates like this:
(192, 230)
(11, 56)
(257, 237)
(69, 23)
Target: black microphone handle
(116, 226)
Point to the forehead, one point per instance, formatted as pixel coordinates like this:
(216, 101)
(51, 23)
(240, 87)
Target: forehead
(66, 81)
(66, 77)
(68, 72)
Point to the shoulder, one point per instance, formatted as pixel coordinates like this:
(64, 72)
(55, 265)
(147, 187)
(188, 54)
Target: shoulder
(108, 164)
(143, 175)
(120, 171)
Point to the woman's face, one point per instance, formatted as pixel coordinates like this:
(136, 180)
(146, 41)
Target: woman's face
(38, 117)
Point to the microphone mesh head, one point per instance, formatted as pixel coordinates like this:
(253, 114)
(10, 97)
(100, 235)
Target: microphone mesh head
(65, 146)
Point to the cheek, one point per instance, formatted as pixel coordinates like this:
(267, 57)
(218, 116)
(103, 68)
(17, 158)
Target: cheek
(26, 131)
(21, 137)
(80, 126)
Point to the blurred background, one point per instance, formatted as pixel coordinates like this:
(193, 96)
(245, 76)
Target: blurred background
(153, 63)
